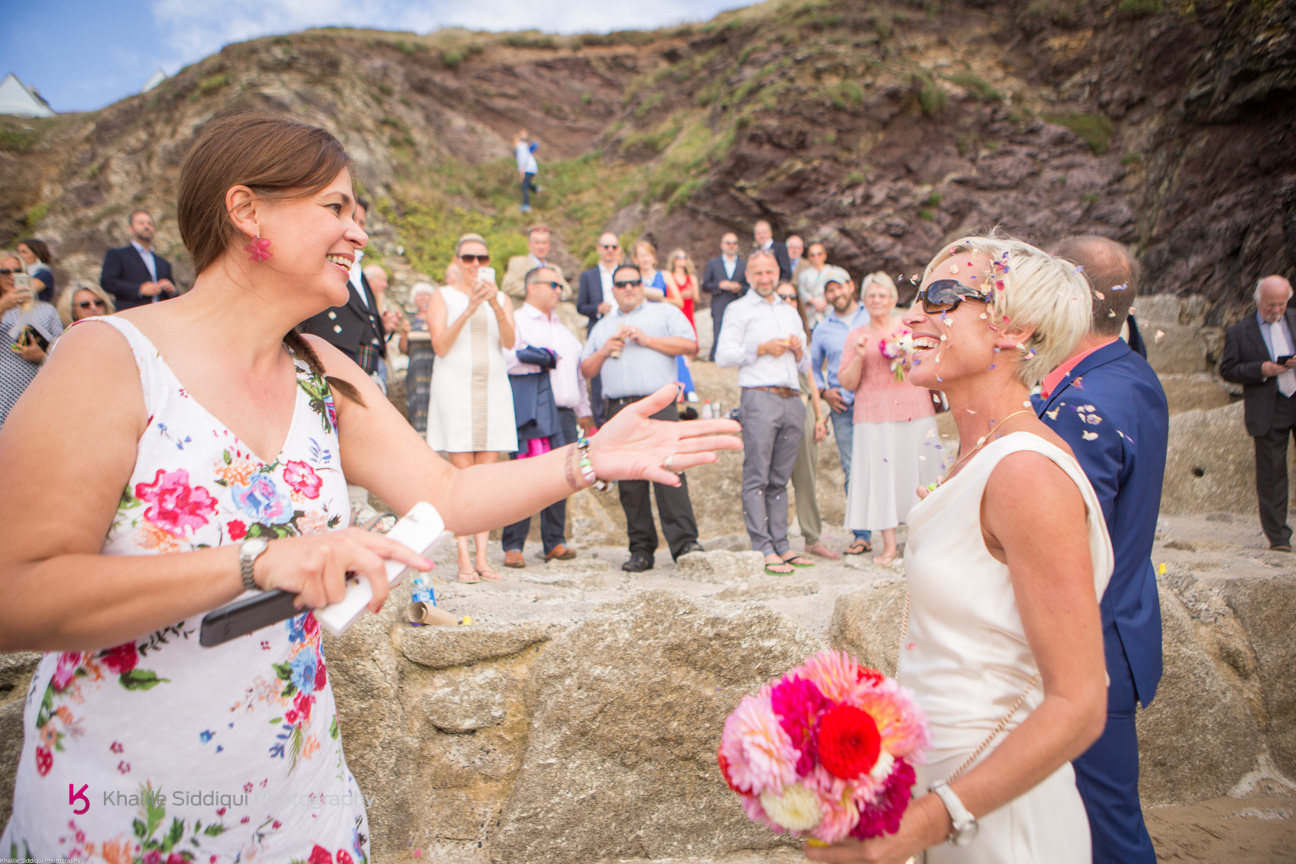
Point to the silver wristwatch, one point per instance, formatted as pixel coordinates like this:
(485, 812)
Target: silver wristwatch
(965, 824)
(250, 550)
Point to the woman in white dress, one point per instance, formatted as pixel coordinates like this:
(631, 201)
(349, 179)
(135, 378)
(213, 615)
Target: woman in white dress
(894, 446)
(470, 413)
(1006, 560)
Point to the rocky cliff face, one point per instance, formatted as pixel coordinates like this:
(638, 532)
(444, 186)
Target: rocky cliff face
(881, 129)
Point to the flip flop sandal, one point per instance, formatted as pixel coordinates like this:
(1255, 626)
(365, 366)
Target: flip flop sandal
(489, 575)
(799, 561)
(468, 577)
(859, 547)
(772, 569)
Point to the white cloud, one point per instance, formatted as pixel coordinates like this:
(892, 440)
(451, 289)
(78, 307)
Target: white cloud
(195, 30)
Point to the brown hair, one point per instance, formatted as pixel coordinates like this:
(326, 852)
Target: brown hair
(38, 248)
(276, 158)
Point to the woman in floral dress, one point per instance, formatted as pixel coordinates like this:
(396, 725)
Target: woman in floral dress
(201, 430)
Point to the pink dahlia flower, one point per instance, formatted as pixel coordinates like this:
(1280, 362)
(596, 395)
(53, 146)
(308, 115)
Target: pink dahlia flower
(759, 753)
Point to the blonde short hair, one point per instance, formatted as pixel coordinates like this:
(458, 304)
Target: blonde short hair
(882, 279)
(1039, 291)
(64, 304)
(421, 288)
(470, 238)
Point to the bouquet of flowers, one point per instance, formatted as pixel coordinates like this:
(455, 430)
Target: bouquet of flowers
(896, 349)
(828, 750)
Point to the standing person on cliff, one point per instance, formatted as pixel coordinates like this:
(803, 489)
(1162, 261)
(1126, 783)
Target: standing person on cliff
(524, 153)
(134, 274)
(1105, 401)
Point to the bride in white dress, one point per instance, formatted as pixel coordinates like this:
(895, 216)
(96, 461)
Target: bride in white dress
(1006, 560)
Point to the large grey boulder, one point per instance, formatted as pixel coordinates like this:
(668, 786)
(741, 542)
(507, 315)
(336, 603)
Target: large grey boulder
(15, 677)
(1266, 608)
(867, 624)
(1200, 736)
(628, 710)
(1210, 463)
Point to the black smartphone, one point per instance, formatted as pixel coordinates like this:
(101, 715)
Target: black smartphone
(1283, 360)
(245, 616)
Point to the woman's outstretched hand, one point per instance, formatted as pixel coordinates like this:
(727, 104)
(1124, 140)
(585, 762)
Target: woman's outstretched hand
(633, 446)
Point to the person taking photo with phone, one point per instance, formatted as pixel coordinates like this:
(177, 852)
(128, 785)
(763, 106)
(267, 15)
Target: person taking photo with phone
(26, 323)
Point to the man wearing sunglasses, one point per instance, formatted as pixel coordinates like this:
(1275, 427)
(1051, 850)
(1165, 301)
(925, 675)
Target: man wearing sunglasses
(550, 402)
(634, 349)
(764, 338)
(594, 300)
(538, 242)
(1107, 403)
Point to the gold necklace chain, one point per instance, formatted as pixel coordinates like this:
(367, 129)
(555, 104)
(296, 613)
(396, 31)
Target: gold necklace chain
(982, 443)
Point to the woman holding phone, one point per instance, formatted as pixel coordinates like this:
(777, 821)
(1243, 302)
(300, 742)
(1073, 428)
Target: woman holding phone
(470, 414)
(20, 315)
(214, 445)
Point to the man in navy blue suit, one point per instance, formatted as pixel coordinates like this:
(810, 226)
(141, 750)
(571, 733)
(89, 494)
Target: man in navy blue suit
(134, 274)
(1106, 402)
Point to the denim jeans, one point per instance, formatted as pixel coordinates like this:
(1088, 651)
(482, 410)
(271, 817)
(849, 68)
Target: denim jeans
(844, 431)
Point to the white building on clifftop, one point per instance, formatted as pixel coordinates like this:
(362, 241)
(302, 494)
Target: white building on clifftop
(17, 98)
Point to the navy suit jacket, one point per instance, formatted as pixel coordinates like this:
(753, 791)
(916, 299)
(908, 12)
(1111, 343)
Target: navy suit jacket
(124, 271)
(1244, 353)
(589, 296)
(355, 329)
(714, 274)
(1126, 465)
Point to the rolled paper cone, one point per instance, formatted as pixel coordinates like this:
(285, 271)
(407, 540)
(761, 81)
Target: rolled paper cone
(426, 613)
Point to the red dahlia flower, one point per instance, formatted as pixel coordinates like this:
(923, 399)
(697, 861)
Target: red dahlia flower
(849, 742)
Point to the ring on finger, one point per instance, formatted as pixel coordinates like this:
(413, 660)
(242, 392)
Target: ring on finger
(669, 464)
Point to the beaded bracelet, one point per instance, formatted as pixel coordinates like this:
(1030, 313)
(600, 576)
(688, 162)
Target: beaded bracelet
(587, 466)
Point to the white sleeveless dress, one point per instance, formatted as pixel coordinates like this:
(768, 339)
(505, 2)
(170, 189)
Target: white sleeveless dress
(182, 752)
(966, 659)
(471, 407)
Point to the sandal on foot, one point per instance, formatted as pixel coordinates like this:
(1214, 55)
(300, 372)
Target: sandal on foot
(799, 561)
(859, 547)
(783, 569)
(889, 559)
(468, 576)
(489, 574)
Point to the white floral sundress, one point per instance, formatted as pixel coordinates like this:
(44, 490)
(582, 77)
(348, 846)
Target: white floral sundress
(161, 751)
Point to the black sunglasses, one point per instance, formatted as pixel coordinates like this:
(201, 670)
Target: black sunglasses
(944, 295)
(791, 298)
(480, 259)
(629, 283)
(557, 286)
(86, 304)
(610, 245)
(7, 272)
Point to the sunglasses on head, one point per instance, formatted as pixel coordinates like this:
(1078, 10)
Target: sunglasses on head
(629, 283)
(479, 259)
(89, 304)
(944, 295)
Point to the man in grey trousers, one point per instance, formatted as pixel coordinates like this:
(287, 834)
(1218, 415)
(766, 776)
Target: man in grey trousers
(763, 336)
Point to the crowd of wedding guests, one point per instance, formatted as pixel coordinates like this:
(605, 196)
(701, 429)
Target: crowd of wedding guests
(494, 370)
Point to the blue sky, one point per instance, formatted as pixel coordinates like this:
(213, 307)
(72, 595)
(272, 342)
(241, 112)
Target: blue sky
(84, 54)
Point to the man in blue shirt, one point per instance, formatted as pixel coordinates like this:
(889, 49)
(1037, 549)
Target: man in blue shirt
(826, 343)
(634, 349)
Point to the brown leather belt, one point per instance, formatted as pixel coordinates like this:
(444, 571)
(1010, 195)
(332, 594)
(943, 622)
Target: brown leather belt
(785, 392)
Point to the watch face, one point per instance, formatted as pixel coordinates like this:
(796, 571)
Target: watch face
(255, 545)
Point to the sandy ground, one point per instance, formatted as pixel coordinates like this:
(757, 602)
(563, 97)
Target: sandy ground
(1258, 826)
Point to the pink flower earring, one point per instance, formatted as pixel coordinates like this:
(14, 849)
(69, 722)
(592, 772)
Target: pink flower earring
(258, 250)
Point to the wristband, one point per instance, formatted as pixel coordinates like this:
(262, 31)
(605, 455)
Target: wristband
(587, 466)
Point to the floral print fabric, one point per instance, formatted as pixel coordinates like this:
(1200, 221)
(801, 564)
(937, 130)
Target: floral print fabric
(161, 751)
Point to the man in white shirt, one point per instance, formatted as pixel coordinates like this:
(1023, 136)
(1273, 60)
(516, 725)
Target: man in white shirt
(763, 337)
(549, 402)
(538, 242)
(634, 349)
